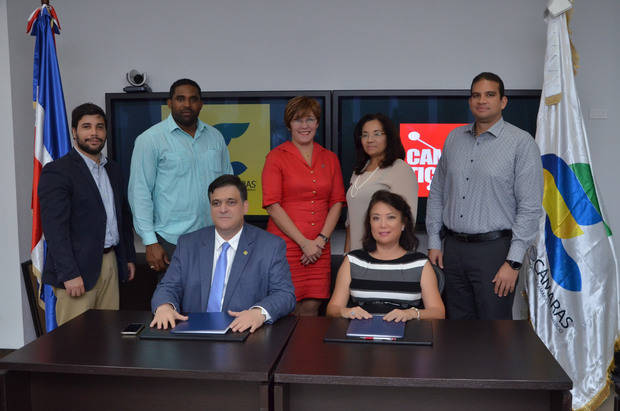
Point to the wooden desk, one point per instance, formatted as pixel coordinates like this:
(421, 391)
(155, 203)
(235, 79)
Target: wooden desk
(87, 365)
(472, 365)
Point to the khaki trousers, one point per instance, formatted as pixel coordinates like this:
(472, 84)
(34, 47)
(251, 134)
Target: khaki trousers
(104, 295)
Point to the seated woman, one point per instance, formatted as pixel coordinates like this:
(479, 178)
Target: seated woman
(387, 276)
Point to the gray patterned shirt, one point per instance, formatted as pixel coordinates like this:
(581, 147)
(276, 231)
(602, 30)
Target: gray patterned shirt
(490, 182)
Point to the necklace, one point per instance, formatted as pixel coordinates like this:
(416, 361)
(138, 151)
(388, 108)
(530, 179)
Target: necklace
(355, 188)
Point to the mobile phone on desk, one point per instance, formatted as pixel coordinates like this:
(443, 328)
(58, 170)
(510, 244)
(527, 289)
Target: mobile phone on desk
(133, 329)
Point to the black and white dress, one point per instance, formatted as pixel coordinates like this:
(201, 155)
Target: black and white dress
(379, 286)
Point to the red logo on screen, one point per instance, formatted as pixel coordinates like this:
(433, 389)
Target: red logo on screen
(423, 143)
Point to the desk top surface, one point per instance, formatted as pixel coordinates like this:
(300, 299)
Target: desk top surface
(464, 354)
(92, 344)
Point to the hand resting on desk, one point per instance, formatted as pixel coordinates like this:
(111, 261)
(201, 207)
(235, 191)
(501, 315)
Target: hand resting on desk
(252, 319)
(166, 315)
(356, 312)
(395, 315)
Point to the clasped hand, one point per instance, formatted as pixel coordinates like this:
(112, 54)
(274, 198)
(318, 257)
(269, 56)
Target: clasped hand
(312, 250)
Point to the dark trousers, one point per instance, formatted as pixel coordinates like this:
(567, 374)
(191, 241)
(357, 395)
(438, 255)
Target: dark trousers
(469, 269)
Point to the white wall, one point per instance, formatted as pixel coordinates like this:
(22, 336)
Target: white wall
(11, 302)
(21, 47)
(597, 39)
(321, 44)
(292, 44)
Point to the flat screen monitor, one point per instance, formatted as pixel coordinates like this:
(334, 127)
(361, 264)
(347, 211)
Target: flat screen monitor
(252, 124)
(423, 119)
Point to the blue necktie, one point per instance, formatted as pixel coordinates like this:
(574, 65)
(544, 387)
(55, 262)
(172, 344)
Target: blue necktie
(217, 285)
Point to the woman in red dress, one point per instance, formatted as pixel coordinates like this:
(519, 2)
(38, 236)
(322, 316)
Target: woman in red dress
(303, 193)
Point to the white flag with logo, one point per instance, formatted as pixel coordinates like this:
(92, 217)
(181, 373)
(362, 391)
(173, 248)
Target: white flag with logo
(572, 275)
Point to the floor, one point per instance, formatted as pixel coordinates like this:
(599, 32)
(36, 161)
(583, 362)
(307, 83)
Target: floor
(608, 405)
(5, 352)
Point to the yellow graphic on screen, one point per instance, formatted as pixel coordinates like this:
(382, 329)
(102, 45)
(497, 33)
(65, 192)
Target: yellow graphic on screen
(246, 130)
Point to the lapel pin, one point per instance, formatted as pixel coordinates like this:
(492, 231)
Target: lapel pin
(245, 252)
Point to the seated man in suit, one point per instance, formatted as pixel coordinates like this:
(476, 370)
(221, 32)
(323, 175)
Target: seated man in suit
(231, 266)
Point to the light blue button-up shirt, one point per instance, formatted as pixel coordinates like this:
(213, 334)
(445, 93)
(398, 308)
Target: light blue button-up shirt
(100, 175)
(170, 175)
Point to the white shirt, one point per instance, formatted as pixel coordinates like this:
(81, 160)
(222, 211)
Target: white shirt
(230, 257)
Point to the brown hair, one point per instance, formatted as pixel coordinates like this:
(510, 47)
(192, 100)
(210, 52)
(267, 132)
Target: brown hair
(300, 105)
(228, 180)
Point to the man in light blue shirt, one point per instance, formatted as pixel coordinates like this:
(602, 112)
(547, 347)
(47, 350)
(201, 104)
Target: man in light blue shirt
(172, 165)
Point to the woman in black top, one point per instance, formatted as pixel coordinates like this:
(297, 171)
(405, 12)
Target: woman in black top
(387, 277)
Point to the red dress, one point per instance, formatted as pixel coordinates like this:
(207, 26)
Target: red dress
(306, 193)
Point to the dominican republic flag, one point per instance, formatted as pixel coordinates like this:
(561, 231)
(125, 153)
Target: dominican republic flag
(51, 134)
(572, 274)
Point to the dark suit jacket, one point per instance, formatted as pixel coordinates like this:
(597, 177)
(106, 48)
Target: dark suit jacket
(260, 274)
(74, 221)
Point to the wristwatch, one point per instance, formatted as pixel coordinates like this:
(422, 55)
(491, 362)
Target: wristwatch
(324, 237)
(514, 264)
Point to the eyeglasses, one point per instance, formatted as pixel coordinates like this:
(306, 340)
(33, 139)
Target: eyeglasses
(375, 134)
(308, 120)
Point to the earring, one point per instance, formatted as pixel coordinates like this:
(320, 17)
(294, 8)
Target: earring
(402, 229)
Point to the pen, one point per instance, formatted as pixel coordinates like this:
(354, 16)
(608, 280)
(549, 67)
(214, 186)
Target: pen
(379, 338)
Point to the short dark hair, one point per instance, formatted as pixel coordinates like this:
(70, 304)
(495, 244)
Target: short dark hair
(393, 146)
(229, 180)
(407, 240)
(490, 77)
(183, 82)
(301, 105)
(86, 109)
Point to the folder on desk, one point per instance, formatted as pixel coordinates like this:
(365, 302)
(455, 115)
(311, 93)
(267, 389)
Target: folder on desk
(375, 327)
(204, 323)
(199, 326)
(416, 333)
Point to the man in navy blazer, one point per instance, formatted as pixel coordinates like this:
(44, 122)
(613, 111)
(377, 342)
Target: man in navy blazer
(86, 221)
(254, 283)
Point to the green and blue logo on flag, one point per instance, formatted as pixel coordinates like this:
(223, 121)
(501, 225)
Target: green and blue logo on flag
(571, 203)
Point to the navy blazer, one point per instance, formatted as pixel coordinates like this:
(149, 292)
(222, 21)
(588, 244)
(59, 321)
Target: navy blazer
(74, 221)
(259, 275)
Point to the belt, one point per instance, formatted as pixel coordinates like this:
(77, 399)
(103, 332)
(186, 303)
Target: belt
(107, 250)
(478, 238)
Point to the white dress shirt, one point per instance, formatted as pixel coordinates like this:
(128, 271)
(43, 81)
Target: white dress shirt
(230, 257)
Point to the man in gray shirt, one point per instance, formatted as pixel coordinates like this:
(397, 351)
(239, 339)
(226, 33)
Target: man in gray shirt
(486, 195)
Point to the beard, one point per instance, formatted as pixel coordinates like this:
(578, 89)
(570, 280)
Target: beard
(181, 120)
(87, 149)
